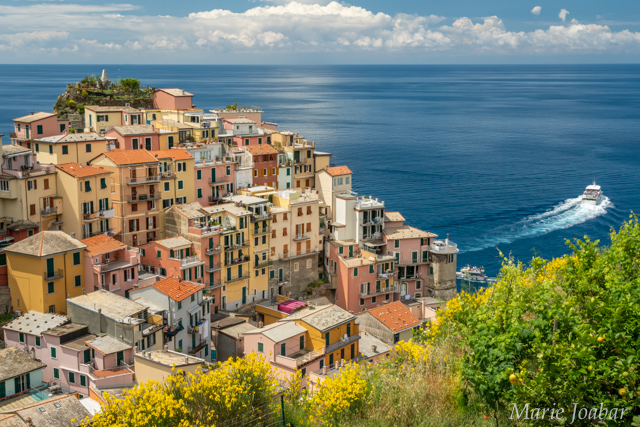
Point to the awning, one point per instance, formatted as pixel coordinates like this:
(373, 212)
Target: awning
(194, 310)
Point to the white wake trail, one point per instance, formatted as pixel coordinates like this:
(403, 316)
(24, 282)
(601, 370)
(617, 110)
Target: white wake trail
(565, 215)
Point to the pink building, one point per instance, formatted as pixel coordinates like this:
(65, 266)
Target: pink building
(265, 160)
(110, 265)
(286, 345)
(214, 181)
(39, 125)
(75, 359)
(136, 137)
(172, 99)
(174, 257)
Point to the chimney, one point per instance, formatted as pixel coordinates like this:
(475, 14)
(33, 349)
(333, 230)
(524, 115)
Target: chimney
(28, 419)
(373, 348)
(166, 347)
(186, 359)
(260, 324)
(446, 242)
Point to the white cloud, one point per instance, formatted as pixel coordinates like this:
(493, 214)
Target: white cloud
(536, 10)
(120, 32)
(563, 14)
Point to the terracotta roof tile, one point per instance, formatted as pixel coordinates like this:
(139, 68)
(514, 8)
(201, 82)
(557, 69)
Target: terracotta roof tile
(260, 149)
(177, 289)
(101, 244)
(130, 157)
(395, 316)
(79, 171)
(174, 153)
(338, 170)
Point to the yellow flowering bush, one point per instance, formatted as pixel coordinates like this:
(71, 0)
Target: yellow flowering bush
(237, 389)
(340, 396)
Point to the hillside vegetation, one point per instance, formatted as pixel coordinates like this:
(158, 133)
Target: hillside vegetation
(552, 334)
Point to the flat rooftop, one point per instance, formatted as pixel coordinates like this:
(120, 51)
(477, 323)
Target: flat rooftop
(112, 305)
(169, 358)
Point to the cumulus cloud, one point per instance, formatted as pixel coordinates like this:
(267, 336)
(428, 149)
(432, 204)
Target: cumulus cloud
(536, 10)
(289, 28)
(563, 14)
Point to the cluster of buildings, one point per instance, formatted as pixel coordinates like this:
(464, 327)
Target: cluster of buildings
(180, 236)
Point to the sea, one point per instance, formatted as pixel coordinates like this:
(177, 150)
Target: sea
(494, 156)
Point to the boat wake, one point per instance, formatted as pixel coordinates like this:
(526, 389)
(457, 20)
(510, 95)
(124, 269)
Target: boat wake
(565, 215)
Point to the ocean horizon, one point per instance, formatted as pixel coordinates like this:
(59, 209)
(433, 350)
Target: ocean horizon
(495, 156)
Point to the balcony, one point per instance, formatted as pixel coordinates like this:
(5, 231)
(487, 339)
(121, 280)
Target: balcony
(235, 261)
(236, 278)
(141, 180)
(213, 267)
(167, 175)
(142, 197)
(190, 261)
(112, 377)
(261, 230)
(377, 291)
(260, 264)
(214, 285)
(202, 344)
(298, 237)
(298, 359)
(117, 264)
(213, 251)
(341, 343)
(53, 275)
(388, 275)
(444, 248)
(97, 233)
(173, 329)
(237, 246)
(367, 203)
(262, 217)
(49, 211)
(297, 254)
(224, 179)
(410, 261)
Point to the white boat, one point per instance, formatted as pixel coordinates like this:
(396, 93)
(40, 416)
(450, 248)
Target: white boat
(592, 195)
(474, 274)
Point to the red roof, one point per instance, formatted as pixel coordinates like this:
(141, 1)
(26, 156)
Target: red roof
(102, 244)
(395, 316)
(130, 157)
(177, 289)
(338, 170)
(80, 171)
(174, 153)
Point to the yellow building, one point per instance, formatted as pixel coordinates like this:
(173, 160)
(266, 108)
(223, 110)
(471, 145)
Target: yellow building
(259, 244)
(44, 270)
(86, 199)
(235, 242)
(28, 189)
(301, 153)
(99, 118)
(135, 194)
(158, 365)
(177, 174)
(191, 123)
(71, 148)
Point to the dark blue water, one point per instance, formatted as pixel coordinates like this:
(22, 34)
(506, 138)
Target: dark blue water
(493, 155)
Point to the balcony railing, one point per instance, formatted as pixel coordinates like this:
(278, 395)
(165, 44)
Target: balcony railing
(213, 251)
(172, 330)
(341, 343)
(49, 211)
(142, 197)
(139, 180)
(301, 237)
(53, 275)
(386, 275)
(236, 277)
(237, 246)
(220, 179)
(415, 275)
(262, 217)
(210, 268)
(376, 291)
(116, 264)
(261, 230)
(235, 261)
(190, 261)
(300, 253)
(410, 261)
(262, 263)
(214, 285)
(443, 247)
(193, 350)
(167, 175)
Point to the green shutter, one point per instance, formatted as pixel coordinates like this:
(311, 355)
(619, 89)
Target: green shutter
(87, 356)
(261, 347)
(53, 352)
(83, 380)
(37, 341)
(3, 390)
(76, 258)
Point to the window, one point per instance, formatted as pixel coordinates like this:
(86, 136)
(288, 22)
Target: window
(78, 281)
(65, 149)
(255, 173)
(50, 148)
(76, 258)
(51, 287)
(346, 179)
(396, 338)
(63, 127)
(396, 244)
(180, 307)
(37, 341)
(170, 140)
(431, 270)
(83, 380)
(52, 309)
(193, 297)
(87, 148)
(87, 186)
(167, 186)
(56, 372)
(283, 349)
(302, 342)
(32, 185)
(246, 141)
(103, 183)
(361, 301)
(39, 130)
(199, 174)
(21, 338)
(371, 269)
(355, 272)
(53, 353)
(326, 340)
(199, 193)
(261, 347)
(373, 300)
(4, 186)
(72, 377)
(180, 185)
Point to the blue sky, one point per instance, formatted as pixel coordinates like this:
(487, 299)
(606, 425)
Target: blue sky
(308, 31)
